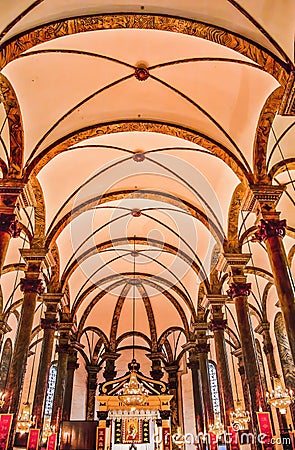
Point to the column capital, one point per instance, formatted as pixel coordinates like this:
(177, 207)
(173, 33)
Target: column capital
(110, 356)
(4, 327)
(172, 369)
(270, 228)
(218, 324)
(214, 300)
(72, 365)
(202, 347)
(262, 198)
(262, 327)
(49, 323)
(234, 264)
(93, 369)
(9, 224)
(63, 348)
(35, 285)
(35, 258)
(193, 358)
(238, 353)
(165, 414)
(239, 290)
(10, 189)
(155, 356)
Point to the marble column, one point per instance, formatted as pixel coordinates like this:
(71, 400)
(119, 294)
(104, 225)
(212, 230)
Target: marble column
(92, 372)
(245, 387)
(71, 367)
(172, 371)
(239, 292)
(109, 372)
(198, 406)
(49, 326)
(63, 348)
(202, 349)
(271, 231)
(218, 325)
(263, 328)
(31, 286)
(156, 372)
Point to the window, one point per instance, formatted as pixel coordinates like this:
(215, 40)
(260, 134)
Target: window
(50, 390)
(214, 387)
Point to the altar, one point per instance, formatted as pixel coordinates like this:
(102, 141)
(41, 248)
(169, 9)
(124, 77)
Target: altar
(134, 413)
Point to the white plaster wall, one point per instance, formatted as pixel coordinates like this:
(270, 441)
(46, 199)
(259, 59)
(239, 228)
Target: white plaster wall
(78, 411)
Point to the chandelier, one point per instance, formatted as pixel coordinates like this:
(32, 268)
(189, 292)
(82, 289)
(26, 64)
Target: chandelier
(133, 393)
(279, 397)
(217, 427)
(240, 417)
(25, 420)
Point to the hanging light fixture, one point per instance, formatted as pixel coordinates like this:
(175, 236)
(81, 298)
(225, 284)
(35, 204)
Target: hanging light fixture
(240, 417)
(279, 397)
(217, 427)
(133, 393)
(25, 420)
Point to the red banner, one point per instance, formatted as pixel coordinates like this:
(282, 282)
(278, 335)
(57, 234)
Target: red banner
(100, 438)
(233, 438)
(5, 425)
(213, 441)
(33, 439)
(51, 441)
(166, 436)
(265, 429)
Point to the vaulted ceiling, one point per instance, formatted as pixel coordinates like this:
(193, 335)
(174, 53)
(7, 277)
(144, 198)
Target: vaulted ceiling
(137, 128)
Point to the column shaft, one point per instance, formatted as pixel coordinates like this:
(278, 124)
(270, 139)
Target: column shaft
(31, 288)
(271, 231)
(199, 414)
(60, 386)
(71, 367)
(239, 292)
(49, 328)
(91, 391)
(223, 369)
(206, 391)
(173, 390)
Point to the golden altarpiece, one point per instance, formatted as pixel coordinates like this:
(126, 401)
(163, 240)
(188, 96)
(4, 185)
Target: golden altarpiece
(134, 412)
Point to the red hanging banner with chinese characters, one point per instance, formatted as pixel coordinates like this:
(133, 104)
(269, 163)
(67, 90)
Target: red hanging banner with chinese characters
(166, 436)
(5, 425)
(51, 441)
(233, 438)
(265, 430)
(33, 439)
(213, 441)
(100, 438)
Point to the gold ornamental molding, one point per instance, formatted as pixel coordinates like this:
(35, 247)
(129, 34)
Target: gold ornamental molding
(16, 133)
(262, 197)
(287, 107)
(189, 135)
(13, 48)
